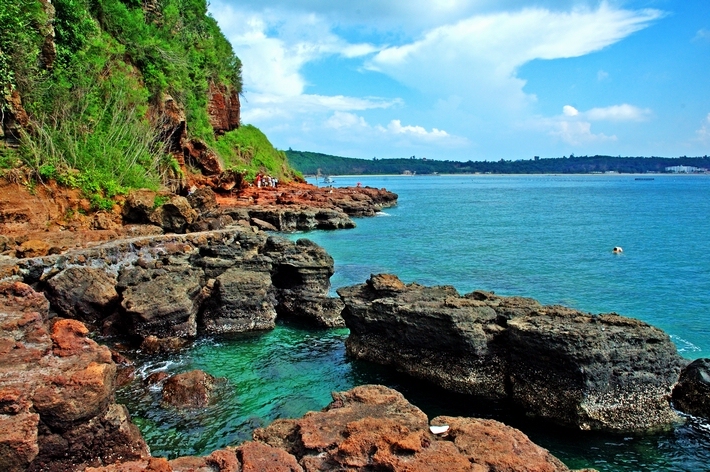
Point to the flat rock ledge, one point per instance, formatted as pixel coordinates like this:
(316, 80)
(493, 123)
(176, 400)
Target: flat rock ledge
(369, 428)
(591, 372)
(181, 285)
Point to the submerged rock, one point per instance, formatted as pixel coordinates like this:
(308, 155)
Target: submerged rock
(191, 389)
(692, 393)
(602, 372)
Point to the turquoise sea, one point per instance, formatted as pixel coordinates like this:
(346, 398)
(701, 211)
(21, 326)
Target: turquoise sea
(543, 236)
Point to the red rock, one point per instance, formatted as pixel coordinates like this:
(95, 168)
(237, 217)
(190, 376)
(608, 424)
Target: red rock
(258, 457)
(69, 337)
(498, 447)
(191, 389)
(33, 248)
(373, 427)
(18, 441)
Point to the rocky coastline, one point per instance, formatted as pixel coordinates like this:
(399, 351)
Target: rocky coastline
(202, 264)
(589, 372)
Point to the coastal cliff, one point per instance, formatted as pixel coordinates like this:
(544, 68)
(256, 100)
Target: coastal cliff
(591, 372)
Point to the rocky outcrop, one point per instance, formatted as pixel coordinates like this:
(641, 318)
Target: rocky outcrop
(599, 372)
(223, 108)
(175, 286)
(373, 427)
(369, 428)
(692, 393)
(57, 409)
(188, 390)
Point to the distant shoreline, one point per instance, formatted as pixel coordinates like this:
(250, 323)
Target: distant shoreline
(557, 174)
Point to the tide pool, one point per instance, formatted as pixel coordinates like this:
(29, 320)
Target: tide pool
(546, 237)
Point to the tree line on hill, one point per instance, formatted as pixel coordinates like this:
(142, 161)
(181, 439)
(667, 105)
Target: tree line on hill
(313, 163)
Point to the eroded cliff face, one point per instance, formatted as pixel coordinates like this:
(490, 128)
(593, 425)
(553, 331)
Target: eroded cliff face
(598, 372)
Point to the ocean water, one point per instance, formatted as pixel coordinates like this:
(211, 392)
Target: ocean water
(546, 237)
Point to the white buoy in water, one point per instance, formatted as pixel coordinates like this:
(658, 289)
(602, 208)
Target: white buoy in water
(617, 250)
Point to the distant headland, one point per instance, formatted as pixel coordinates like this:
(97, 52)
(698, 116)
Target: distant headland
(313, 163)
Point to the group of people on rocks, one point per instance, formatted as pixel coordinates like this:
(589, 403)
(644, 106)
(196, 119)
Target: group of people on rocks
(266, 181)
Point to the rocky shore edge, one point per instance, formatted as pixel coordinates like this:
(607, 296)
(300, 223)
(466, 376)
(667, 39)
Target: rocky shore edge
(197, 265)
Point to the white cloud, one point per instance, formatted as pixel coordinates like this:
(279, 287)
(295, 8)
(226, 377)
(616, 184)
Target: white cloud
(341, 120)
(602, 75)
(355, 127)
(395, 127)
(274, 47)
(574, 127)
(569, 110)
(703, 133)
(577, 132)
(623, 112)
(269, 107)
(478, 57)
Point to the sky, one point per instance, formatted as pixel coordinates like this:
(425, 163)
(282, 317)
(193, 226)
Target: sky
(475, 79)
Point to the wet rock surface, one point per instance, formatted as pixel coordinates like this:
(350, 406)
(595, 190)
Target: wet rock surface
(692, 393)
(598, 372)
(193, 389)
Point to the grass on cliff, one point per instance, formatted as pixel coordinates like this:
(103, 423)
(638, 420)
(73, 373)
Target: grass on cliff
(90, 121)
(248, 150)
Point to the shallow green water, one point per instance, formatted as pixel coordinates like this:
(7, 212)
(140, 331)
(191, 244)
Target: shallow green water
(548, 237)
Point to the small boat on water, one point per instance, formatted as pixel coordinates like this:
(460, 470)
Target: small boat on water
(644, 178)
(328, 180)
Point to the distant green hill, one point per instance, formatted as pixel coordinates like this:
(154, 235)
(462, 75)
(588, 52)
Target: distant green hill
(313, 162)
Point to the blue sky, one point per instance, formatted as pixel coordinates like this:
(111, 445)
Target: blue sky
(475, 79)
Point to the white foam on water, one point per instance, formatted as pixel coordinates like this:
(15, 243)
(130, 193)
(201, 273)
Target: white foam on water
(684, 345)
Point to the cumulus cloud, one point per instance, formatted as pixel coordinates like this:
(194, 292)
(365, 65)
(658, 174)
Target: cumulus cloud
(569, 110)
(576, 132)
(574, 127)
(356, 127)
(478, 57)
(274, 48)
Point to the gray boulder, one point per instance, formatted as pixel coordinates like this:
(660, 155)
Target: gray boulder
(242, 300)
(84, 293)
(599, 372)
(692, 393)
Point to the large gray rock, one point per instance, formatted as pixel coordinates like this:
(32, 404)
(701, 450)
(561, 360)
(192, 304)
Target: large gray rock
(84, 293)
(162, 304)
(600, 372)
(692, 393)
(173, 286)
(242, 300)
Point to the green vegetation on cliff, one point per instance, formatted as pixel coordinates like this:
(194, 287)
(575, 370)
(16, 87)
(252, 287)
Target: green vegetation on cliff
(312, 162)
(84, 84)
(249, 145)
